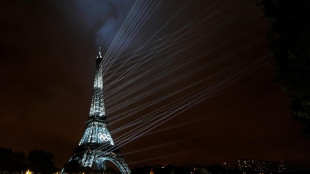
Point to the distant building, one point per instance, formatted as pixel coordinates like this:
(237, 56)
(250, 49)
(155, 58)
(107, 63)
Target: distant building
(262, 166)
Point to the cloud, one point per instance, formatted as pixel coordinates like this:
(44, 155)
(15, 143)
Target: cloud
(103, 17)
(107, 32)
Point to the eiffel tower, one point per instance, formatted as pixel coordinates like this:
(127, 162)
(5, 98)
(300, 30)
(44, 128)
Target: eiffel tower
(96, 146)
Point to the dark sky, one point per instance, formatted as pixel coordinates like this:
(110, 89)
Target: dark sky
(47, 68)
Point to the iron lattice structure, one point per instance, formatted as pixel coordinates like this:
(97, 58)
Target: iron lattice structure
(96, 146)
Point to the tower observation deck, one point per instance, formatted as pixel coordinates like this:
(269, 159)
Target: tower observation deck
(96, 146)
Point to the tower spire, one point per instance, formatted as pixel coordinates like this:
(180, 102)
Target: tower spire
(99, 53)
(99, 58)
(97, 108)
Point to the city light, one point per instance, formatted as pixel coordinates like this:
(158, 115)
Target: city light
(28, 172)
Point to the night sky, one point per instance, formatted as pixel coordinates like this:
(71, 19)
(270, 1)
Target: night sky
(48, 50)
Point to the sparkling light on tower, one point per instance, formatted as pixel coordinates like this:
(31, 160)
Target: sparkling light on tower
(96, 146)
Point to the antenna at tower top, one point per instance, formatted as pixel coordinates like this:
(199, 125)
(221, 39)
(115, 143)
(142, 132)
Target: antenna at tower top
(99, 55)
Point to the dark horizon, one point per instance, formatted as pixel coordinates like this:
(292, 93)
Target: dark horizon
(48, 52)
(42, 161)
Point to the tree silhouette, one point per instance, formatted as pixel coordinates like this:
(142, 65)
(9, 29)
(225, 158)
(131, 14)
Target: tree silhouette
(12, 161)
(290, 49)
(41, 161)
(37, 161)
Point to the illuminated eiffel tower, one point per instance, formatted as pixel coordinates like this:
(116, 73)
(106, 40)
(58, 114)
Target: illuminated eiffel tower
(96, 146)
